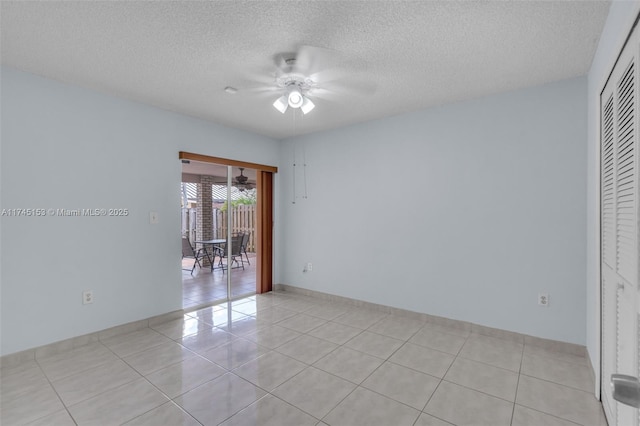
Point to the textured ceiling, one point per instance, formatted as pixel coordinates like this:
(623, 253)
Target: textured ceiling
(400, 55)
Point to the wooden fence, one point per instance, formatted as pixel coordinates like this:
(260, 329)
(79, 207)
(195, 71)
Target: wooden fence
(189, 223)
(243, 219)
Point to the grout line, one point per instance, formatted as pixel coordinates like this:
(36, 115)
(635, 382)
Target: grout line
(556, 383)
(57, 394)
(300, 300)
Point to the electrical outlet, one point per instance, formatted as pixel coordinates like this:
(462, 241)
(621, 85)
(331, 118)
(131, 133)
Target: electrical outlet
(308, 267)
(543, 299)
(87, 297)
(154, 219)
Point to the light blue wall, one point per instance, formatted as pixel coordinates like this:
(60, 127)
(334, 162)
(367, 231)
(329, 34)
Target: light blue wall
(67, 147)
(467, 211)
(622, 14)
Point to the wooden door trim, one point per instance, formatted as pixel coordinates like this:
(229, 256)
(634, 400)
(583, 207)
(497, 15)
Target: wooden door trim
(226, 162)
(264, 225)
(264, 207)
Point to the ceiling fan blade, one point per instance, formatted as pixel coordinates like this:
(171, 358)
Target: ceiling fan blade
(258, 83)
(311, 60)
(268, 88)
(346, 87)
(328, 75)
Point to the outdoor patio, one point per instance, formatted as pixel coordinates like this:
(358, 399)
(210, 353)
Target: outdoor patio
(206, 287)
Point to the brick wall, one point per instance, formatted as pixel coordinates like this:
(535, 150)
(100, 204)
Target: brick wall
(204, 222)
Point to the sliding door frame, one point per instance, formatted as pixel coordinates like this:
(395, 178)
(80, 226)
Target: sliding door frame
(264, 228)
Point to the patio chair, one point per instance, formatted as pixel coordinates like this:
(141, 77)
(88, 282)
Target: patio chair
(245, 242)
(196, 254)
(236, 253)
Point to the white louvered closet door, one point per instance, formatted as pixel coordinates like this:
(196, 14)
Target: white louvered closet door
(619, 118)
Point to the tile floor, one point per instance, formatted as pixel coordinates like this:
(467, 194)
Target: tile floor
(206, 287)
(283, 359)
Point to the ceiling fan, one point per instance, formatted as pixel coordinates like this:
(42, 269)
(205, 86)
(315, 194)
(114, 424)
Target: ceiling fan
(309, 74)
(242, 181)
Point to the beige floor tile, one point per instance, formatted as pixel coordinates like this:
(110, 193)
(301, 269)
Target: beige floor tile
(244, 306)
(530, 349)
(493, 351)
(207, 339)
(335, 332)
(327, 311)
(561, 372)
(349, 364)
(484, 378)
(402, 384)
(466, 407)
(41, 402)
(243, 326)
(161, 356)
(504, 344)
(374, 344)
(314, 391)
(217, 315)
(557, 400)
(603, 418)
(181, 327)
(307, 349)
(523, 416)
(7, 370)
(182, 377)
(271, 411)
(298, 304)
(429, 361)
(219, 399)
(272, 298)
(235, 353)
(434, 339)
(360, 318)
(272, 337)
(274, 314)
(270, 370)
(302, 323)
(59, 418)
(364, 407)
(87, 384)
(349, 382)
(79, 359)
(138, 341)
(397, 327)
(22, 383)
(166, 414)
(118, 405)
(429, 420)
(462, 331)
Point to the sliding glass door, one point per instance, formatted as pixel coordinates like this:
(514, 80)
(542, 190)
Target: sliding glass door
(219, 219)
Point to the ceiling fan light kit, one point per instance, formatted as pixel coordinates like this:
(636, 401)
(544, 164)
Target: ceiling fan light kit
(307, 106)
(294, 97)
(311, 72)
(281, 103)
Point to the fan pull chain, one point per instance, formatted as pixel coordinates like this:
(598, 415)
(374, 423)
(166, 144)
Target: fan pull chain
(293, 200)
(304, 170)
